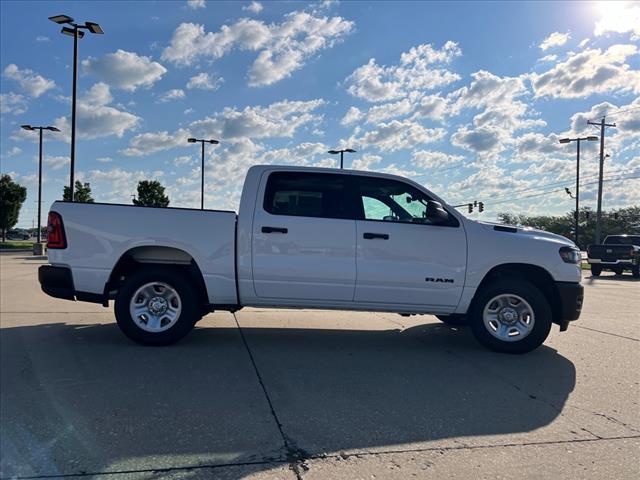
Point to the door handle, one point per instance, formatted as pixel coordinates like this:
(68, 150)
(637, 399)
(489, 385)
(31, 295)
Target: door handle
(371, 236)
(274, 230)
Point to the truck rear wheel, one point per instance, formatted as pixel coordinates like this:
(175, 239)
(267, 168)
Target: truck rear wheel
(156, 306)
(511, 316)
(596, 270)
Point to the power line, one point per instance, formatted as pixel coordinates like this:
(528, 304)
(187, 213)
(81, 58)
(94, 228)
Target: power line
(560, 190)
(627, 110)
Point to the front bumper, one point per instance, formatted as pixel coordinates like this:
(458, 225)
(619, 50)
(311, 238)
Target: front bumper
(58, 282)
(571, 296)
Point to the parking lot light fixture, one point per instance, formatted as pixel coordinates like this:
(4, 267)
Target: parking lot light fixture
(590, 138)
(202, 142)
(76, 31)
(37, 249)
(341, 152)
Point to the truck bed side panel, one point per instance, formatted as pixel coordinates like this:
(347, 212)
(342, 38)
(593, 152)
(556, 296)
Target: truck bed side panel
(99, 234)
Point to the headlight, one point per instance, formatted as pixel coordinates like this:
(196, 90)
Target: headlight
(570, 255)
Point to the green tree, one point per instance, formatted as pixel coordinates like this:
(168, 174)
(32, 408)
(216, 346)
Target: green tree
(151, 194)
(81, 193)
(12, 196)
(614, 222)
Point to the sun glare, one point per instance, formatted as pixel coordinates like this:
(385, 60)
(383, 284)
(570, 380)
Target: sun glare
(617, 16)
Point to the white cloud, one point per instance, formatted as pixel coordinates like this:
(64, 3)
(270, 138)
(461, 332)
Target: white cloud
(95, 118)
(583, 43)
(353, 115)
(125, 70)
(434, 159)
(556, 39)
(56, 163)
(204, 81)
(41, 38)
(173, 94)
(253, 7)
(182, 160)
(278, 120)
(387, 111)
(484, 140)
(432, 107)
(377, 83)
(398, 135)
(148, 143)
(282, 47)
(619, 17)
(487, 89)
(13, 152)
(589, 72)
(196, 4)
(104, 159)
(549, 58)
(366, 162)
(32, 83)
(12, 103)
(189, 110)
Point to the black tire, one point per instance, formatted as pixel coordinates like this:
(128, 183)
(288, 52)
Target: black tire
(618, 270)
(189, 314)
(525, 290)
(635, 271)
(596, 270)
(455, 319)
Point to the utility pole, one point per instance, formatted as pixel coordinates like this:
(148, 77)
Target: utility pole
(602, 126)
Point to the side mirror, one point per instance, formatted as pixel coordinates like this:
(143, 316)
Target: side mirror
(435, 212)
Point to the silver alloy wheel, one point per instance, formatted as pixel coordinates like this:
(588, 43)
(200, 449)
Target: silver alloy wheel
(508, 317)
(155, 307)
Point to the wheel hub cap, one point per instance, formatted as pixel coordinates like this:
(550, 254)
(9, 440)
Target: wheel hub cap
(508, 315)
(158, 305)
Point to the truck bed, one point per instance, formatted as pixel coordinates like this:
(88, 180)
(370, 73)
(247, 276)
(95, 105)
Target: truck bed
(99, 234)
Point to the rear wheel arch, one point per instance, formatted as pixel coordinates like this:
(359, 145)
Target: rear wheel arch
(137, 258)
(533, 274)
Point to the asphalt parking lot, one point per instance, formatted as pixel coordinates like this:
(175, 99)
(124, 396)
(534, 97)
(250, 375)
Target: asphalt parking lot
(269, 394)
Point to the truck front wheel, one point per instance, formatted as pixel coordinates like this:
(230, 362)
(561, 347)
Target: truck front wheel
(596, 270)
(156, 306)
(511, 316)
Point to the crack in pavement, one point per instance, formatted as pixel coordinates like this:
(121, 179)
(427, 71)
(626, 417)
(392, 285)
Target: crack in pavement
(341, 456)
(294, 455)
(607, 333)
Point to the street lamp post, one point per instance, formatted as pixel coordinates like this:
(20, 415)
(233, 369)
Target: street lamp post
(578, 140)
(341, 152)
(202, 142)
(76, 32)
(38, 250)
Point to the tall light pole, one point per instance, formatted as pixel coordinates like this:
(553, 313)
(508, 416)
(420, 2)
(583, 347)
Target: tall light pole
(38, 250)
(578, 140)
(602, 126)
(341, 152)
(202, 142)
(76, 32)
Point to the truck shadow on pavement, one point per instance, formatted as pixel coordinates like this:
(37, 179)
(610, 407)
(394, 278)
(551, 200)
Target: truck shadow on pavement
(83, 399)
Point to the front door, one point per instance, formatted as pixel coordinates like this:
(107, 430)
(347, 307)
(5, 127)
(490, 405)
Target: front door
(404, 257)
(304, 238)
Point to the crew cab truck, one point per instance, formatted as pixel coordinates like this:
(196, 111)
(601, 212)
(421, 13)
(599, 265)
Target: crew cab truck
(617, 253)
(314, 238)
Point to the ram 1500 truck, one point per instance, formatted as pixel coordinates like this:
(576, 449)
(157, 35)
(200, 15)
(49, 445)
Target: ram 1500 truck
(617, 253)
(314, 238)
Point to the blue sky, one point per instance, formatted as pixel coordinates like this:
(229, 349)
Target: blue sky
(468, 98)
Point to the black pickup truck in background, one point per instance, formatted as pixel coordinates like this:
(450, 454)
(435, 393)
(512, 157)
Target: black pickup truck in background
(618, 253)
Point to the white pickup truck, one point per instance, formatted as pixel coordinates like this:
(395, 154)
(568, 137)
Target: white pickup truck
(314, 238)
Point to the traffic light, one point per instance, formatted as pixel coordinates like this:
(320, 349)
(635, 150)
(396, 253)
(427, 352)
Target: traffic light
(470, 205)
(481, 206)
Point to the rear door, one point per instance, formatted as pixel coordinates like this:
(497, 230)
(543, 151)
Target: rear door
(403, 257)
(304, 238)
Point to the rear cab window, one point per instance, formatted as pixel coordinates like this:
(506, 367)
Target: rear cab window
(307, 195)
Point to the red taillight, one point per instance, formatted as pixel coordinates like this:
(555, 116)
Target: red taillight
(55, 231)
